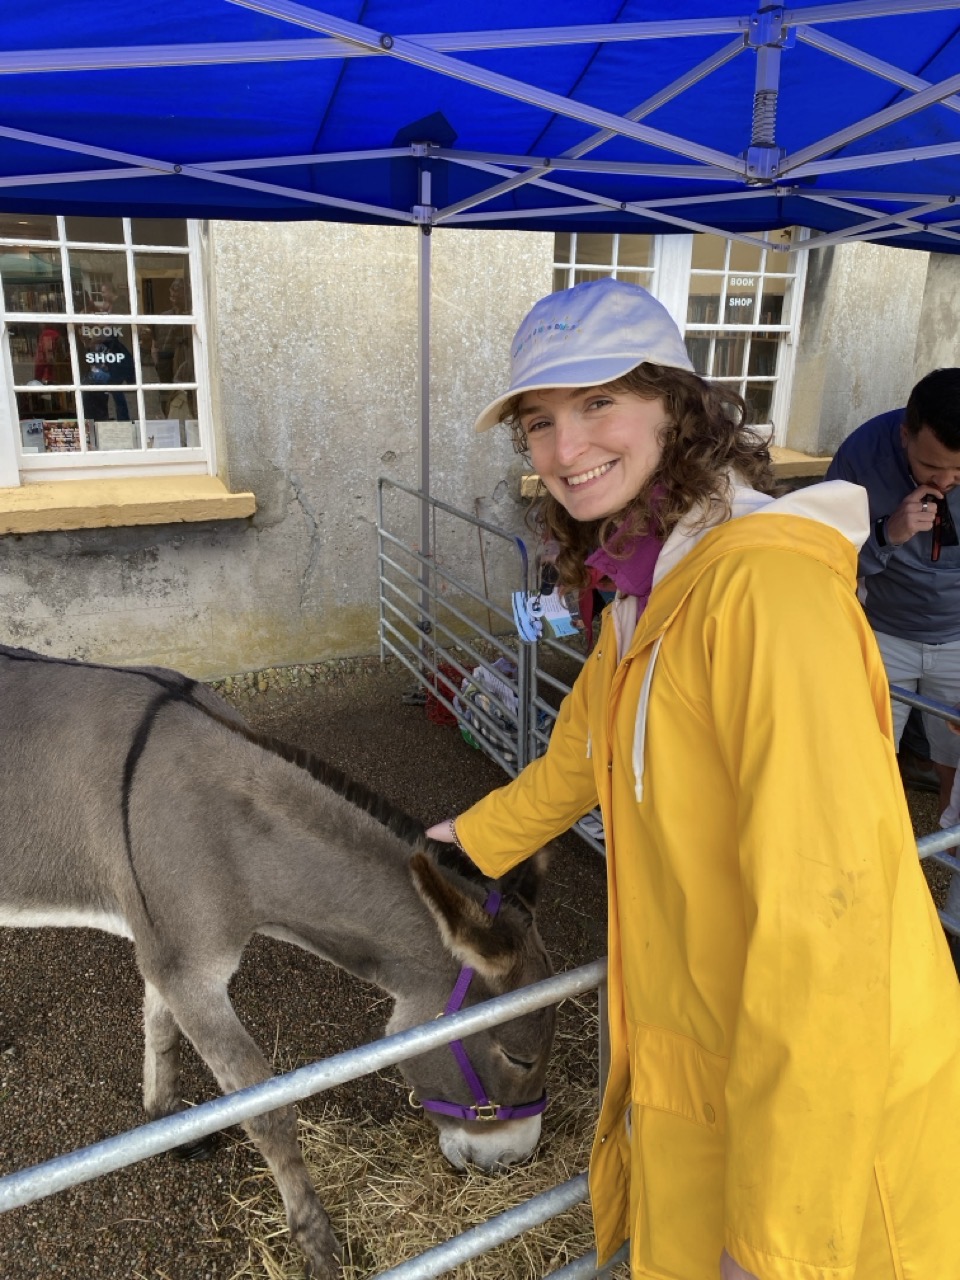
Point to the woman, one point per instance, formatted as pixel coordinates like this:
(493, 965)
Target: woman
(783, 1100)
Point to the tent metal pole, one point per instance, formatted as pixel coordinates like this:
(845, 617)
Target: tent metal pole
(600, 202)
(768, 36)
(935, 94)
(875, 159)
(649, 105)
(222, 53)
(424, 246)
(538, 165)
(859, 9)
(866, 62)
(154, 168)
(905, 220)
(403, 49)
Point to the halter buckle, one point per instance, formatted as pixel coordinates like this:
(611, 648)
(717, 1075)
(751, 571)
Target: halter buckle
(487, 1110)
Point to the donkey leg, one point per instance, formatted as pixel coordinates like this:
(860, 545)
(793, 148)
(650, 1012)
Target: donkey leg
(206, 1017)
(161, 1056)
(161, 1070)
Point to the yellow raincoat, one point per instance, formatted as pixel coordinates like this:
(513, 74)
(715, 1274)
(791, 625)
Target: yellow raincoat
(784, 1013)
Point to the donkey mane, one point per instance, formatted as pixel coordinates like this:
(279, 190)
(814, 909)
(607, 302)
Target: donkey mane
(362, 797)
(328, 775)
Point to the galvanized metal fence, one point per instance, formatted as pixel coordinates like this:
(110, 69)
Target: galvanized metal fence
(432, 618)
(151, 1139)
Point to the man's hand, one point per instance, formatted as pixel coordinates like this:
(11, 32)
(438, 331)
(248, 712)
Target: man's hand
(730, 1270)
(915, 514)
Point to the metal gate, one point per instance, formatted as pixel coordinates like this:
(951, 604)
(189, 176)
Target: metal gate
(443, 619)
(936, 847)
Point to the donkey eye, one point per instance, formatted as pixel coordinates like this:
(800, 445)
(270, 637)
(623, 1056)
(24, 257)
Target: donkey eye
(523, 1063)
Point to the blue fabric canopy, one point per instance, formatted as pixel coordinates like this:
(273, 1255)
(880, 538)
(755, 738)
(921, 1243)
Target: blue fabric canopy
(607, 116)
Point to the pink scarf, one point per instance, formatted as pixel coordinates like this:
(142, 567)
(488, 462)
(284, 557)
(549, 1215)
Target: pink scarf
(632, 575)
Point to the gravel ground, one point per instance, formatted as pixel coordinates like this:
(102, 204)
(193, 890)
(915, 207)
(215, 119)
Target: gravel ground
(70, 1037)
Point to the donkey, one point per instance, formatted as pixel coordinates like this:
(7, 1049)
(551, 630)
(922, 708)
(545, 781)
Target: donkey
(135, 801)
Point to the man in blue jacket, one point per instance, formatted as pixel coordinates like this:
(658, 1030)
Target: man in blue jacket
(908, 460)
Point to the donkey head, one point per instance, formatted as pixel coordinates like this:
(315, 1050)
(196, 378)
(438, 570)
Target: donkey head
(485, 1093)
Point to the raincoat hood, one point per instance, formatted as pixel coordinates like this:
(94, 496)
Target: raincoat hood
(836, 504)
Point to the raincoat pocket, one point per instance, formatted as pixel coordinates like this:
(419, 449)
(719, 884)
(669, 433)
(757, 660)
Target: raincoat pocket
(677, 1157)
(673, 1073)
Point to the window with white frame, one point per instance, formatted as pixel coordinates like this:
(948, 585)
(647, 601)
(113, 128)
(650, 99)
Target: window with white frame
(740, 317)
(580, 256)
(100, 340)
(737, 304)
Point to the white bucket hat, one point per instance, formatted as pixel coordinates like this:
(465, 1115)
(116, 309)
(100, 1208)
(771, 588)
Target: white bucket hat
(587, 336)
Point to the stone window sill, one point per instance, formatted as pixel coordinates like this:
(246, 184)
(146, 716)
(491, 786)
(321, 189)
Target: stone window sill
(103, 504)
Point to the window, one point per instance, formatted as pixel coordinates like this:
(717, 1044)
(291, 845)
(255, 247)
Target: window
(101, 332)
(738, 305)
(739, 316)
(580, 256)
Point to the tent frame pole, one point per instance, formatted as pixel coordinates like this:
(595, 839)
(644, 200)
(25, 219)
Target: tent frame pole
(424, 272)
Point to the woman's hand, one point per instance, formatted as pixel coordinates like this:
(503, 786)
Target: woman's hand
(442, 831)
(730, 1270)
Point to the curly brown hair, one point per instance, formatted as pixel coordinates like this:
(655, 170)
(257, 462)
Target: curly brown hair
(706, 439)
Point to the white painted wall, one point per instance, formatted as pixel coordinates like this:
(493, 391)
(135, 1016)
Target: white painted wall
(314, 364)
(938, 339)
(861, 313)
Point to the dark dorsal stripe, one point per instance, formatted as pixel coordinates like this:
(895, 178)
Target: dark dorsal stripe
(137, 746)
(180, 688)
(173, 688)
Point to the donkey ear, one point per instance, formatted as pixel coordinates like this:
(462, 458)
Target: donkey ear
(472, 936)
(524, 882)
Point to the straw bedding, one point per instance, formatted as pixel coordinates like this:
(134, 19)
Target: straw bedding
(391, 1194)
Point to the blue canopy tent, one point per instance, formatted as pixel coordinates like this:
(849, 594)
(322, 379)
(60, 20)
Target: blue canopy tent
(844, 118)
(839, 117)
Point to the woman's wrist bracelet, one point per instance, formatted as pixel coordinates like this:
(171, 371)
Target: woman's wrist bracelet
(454, 838)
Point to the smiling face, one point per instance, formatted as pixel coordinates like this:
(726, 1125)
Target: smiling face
(594, 448)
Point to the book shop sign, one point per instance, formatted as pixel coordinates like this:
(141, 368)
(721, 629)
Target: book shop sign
(103, 356)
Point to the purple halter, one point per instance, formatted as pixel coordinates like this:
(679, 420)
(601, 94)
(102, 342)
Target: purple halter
(483, 1108)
